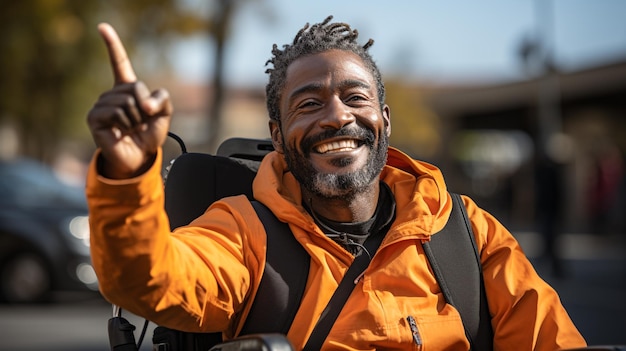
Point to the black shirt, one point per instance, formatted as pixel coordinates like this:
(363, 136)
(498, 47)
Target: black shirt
(352, 235)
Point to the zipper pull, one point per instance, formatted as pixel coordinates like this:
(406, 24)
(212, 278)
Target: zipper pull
(416, 334)
(356, 280)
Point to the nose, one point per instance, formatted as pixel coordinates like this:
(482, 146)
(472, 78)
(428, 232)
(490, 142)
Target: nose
(336, 114)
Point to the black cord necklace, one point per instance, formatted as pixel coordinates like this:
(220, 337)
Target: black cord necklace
(343, 238)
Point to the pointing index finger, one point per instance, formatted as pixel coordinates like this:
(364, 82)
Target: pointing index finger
(122, 69)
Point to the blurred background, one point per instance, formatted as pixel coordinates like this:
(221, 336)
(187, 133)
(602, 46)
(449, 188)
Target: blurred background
(522, 104)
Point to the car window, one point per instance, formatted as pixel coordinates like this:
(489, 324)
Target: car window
(30, 183)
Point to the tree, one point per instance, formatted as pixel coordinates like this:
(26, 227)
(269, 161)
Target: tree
(54, 64)
(46, 51)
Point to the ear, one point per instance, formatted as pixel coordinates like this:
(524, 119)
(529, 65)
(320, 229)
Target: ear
(277, 136)
(387, 119)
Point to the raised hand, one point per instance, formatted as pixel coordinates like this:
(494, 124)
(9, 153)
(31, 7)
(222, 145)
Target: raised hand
(128, 123)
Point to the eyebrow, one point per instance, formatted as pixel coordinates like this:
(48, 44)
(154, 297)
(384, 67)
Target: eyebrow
(354, 83)
(315, 87)
(311, 87)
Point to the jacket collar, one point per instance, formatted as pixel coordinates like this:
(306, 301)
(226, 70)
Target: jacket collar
(423, 205)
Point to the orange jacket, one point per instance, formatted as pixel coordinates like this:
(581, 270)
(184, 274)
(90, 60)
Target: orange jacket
(203, 277)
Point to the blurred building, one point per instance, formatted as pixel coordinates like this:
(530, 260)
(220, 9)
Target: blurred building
(499, 137)
(491, 139)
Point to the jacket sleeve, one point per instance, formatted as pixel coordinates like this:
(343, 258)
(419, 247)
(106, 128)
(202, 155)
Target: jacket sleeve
(527, 313)
(196, 278)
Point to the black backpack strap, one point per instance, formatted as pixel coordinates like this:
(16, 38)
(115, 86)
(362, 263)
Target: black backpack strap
(454, 258)
(342, 293)
(284, 279)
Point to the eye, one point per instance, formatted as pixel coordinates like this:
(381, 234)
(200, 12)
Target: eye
(308, 104)
(356, 98)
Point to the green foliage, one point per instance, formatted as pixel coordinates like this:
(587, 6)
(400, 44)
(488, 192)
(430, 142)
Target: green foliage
(54, 64)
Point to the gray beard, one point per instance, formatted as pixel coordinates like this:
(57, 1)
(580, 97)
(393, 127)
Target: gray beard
(331, 185)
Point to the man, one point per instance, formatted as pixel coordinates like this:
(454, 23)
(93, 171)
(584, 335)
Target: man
(335, 180)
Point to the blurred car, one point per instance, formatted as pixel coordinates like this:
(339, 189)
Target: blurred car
(44, 234)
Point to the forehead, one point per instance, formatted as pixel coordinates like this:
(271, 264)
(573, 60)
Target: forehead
(333, 65)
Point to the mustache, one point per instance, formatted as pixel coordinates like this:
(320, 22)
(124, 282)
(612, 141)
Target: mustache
(364, 134)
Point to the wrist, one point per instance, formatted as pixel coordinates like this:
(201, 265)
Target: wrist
(112, 170)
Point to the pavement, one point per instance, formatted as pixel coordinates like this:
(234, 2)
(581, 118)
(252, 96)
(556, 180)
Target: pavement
(591, 284)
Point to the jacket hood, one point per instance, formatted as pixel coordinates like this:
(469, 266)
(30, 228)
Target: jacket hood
(422, 201)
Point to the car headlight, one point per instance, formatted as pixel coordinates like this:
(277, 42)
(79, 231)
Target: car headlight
(86, 274)
(79, 228)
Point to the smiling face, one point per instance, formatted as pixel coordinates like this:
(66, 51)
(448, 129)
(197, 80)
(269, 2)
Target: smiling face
(333, 131)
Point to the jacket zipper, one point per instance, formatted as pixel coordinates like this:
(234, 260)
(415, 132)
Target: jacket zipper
(416, 334)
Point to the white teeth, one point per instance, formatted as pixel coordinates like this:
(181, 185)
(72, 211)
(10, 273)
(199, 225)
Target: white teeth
(336, 146)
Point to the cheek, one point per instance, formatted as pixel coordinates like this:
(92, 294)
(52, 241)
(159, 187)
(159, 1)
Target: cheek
(295, 131)
(376, 122)
(289, 140)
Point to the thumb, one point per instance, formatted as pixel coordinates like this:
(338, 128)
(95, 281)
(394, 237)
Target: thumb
(158, 104)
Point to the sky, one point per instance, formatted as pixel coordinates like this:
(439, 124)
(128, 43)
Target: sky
(429, 40)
